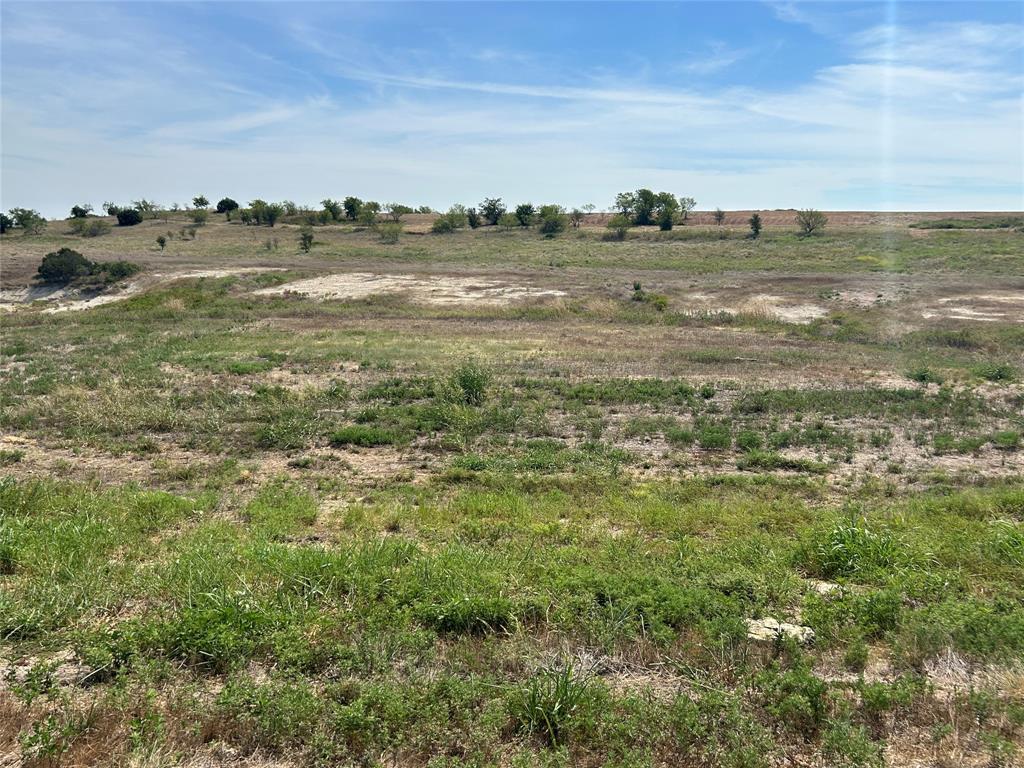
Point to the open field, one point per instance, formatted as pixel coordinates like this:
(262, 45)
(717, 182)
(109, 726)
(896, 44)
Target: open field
(494, 499)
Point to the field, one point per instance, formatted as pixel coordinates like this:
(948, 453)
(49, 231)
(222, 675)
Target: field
(487, 498)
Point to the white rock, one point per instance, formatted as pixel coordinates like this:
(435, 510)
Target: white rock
(770, 630)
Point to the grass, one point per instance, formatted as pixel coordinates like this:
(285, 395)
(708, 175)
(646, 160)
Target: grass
(372, 532)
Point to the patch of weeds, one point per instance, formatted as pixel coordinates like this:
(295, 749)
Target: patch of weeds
(365, 435)
(996, 372)
(772, 461)
(854, 548)
(547, 703)
(10, 456)
(925, 375)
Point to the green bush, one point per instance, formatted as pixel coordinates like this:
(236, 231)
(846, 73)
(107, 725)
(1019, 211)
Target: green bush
(226, 205)
(365, 435)
(63, 266)
(128, 217)
(471, 380)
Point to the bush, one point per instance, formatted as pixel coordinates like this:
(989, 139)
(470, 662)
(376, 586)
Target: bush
(305, 239)
(352, 206)
(199, 216)
(200, 201)
(474, 218)
(552, 220)
(810, 220)
(665, 220)
(161, 240)
(63, 266)
(507, 221)
(6, 222)
(128, 217)
(116, 270)
(617, 226)
(995, 372)
(390, 232)
(80, 211)
(333, 208)
(90, 227)
(365, 435)
(226, 205)
(454, 219)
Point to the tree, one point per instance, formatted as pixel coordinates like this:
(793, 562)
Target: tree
(446, 223)
(507, 221)
(333, 208)
(755, 226)
(686, 204)
(617, 226)
(6, 222)
(665, 219)
(524, 214)
(28, 219)
(395, 211)
(145, 206)
(306, 239)
(111, 208)
(552, 220)
(492, 209)
(576, 218)
(473, 218)
(644, 207)
(200, 201)
(589, 208)
(368, 213)
(161, 240)
(128, 217)
(226, 205)
(63, 266)
(719, 216)
(352, 207)
(810, 220)
(272, 213)
(80, 211)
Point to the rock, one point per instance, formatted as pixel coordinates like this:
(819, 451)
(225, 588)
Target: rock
(824, 588)
(770, 630)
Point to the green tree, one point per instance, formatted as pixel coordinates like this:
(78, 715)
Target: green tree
(507, 221)
(334, 208)
(395, 211)
(492, 209)
(28, 219)
(474, 218)
(755, 226)
(618, 225)
(352, 207)
(200, 201)
(576, 218)
(719, 216)
(810, 221)
(80, 211)
(306, 239)
(6, 222)
(368, 212)
(524, 214)
(686, 204)
(128, 217)
(226, 205)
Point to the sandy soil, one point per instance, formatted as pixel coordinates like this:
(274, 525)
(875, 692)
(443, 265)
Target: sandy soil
(440, 289)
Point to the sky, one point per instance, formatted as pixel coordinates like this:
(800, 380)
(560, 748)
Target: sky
(833, 105)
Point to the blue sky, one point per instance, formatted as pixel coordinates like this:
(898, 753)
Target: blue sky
(836, 105)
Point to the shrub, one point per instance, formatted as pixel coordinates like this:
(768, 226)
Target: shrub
(995, 371)
(552, 220)
(305, 239)
(719, 216)
(90, 227)
(924, 375)
(63, 266)
(6, 222)
(200, 201)
(80, 211)
(617, 226)
(810, 220)
(576, 217)
(390, 232)
(395, 211)
(507, 221)
(199, 216)
(116, 270)
(161, 240)
(454, 219)
(128, 217)
(368, 213)
(473, 218)
(665, 220)
(226, 205)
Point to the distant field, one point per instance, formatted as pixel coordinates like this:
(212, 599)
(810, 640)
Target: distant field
(489, 498)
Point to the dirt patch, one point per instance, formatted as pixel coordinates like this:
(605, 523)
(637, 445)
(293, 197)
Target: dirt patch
(766, 305)
(1005, 307)
(419, 288)
(73, 300)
